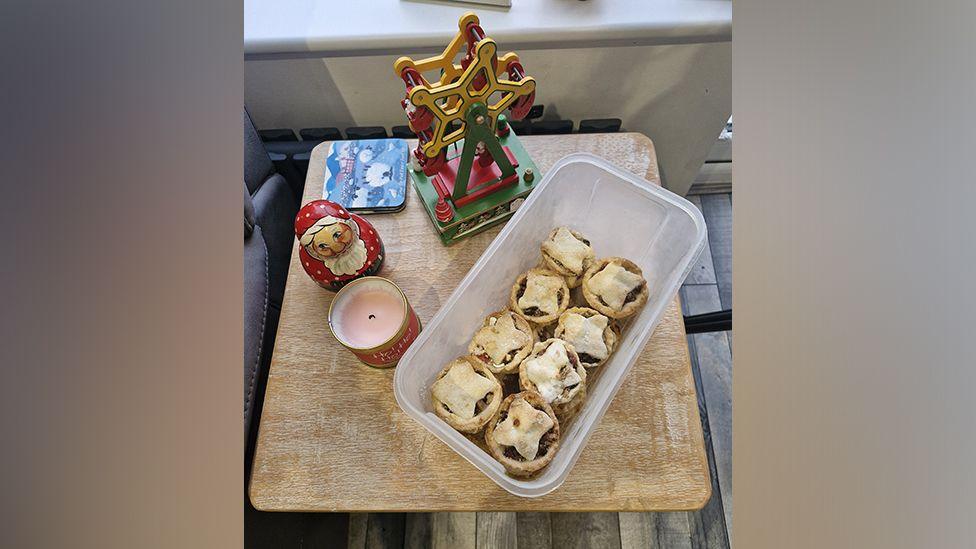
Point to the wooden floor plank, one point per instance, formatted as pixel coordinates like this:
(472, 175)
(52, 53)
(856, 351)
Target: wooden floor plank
(708, 527)
(700, 298)
(715, 364)
(671, 530)
(713, 361)
(712, 374)
(416, 531)
(384, 530)
(453, 530)
(533, 530)
(357, 530)
(704, 270)
(585, 530)
(717, 209)
(712, 367)
(636, 530)
(496, 530)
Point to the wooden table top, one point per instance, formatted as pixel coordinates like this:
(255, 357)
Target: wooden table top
(332, 437)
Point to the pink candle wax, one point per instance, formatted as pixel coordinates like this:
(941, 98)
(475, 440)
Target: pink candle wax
(368, 314)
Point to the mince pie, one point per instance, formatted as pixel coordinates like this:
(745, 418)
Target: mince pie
(524, 435)
(555, 372)
(540, 295)
(568, 253)
(466, 395)
(615, 287)
(591, 334)
(502, 342)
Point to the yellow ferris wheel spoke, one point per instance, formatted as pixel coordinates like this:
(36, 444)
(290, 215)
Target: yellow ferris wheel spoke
(448, 102)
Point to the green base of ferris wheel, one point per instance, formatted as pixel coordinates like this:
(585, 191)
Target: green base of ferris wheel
(490, 210)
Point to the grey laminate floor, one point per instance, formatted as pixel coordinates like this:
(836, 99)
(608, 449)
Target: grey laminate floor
(708, 288)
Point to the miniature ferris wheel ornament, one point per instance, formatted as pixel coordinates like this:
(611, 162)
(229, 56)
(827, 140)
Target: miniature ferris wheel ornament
(482, 185)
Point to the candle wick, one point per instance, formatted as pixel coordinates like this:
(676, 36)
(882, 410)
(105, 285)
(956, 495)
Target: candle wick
(371, 317)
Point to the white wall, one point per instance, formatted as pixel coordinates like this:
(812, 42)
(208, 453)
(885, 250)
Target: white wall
(678, 95)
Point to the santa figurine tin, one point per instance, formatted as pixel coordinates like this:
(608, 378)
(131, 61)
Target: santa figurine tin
(336, 246)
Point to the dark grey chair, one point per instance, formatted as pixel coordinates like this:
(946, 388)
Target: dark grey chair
(269, 213)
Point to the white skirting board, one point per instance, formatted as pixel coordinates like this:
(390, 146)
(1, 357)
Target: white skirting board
(715, 175)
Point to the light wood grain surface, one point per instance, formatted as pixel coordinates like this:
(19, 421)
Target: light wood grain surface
(332, 437)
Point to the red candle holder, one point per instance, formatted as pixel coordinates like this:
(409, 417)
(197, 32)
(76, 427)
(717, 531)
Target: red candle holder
(374, 320)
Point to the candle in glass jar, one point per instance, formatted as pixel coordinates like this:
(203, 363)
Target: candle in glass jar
(372, 318)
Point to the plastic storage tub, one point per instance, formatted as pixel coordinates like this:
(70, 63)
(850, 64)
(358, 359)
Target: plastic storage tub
(622, 215)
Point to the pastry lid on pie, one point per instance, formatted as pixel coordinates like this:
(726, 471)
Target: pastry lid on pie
(503, 334)
(523, 427)
(540, 291)
(615, 287)
(586, 333)
(551, 370)
(568, 251)
(539, 295)
(525, 435)
(466, 394)
(613, 283)
(461, 389)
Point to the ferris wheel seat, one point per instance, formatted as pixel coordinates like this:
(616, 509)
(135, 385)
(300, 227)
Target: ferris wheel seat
(521, 107)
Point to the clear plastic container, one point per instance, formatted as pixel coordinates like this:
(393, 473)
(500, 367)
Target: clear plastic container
(622, 215)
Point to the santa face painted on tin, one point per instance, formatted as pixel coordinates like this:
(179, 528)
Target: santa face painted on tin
(330, 241)
(336, 243)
